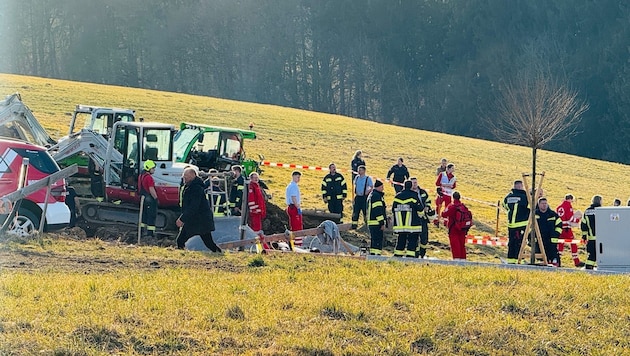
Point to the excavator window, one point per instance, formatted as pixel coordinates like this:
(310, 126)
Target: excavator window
(102, 122)
(157, 145)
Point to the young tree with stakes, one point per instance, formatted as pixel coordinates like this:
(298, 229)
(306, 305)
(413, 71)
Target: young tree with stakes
(532, 111)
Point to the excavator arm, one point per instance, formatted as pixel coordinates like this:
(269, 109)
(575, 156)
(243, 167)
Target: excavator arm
(85, 141)
(17, 121)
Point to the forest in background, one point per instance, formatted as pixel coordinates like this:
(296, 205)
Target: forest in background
(438, 65)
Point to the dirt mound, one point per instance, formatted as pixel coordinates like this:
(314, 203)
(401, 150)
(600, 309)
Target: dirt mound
(277, 220)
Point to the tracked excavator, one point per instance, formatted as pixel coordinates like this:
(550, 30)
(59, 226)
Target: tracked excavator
(117, 165)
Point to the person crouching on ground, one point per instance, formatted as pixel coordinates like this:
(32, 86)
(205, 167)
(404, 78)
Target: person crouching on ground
(196, 217)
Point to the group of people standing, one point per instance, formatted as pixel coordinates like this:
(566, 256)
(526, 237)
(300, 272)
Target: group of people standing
(411, 208)
(556, 227)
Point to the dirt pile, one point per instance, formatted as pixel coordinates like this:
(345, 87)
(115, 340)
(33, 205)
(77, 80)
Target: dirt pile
(277, 220)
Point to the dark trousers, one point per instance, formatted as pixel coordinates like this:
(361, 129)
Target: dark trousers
(398, 187)
(515, 239)
(551, 249)
(335, 206)
(184, 236)
(73, 218)
(591, 260)
(408, 241)
(376, 240)
(424, 239)
(360, 205)
(149, 214)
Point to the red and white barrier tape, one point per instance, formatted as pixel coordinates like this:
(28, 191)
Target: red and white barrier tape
(486, 242)
(297, 166)
(502, 241)
(571, 241)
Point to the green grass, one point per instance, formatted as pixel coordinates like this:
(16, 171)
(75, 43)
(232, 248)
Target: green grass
(66, 297)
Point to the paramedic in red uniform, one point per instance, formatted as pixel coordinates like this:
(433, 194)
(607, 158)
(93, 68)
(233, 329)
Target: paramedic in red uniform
(256, 203)
(446, 183)
(569, 219)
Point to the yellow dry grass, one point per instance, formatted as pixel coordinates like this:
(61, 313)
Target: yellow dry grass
(485, 170)
(305, 305)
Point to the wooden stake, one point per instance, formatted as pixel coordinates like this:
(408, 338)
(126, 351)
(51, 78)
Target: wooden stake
(528, 228)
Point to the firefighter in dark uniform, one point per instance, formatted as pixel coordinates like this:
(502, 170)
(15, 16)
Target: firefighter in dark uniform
(400, 172)
(550, 226)
(426, 214)
(517, 208)
(377, 221)
(334, 190)
(407, 221)
(588, 231)
(236, 191)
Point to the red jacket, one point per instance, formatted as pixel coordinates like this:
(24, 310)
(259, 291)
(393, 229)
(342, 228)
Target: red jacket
(256, 200)
(449, 213)
(565, 211)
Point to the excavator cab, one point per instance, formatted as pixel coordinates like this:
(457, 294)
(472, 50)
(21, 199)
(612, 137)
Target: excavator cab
(132, 144)
(99, 119)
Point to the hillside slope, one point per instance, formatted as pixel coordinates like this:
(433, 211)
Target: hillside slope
(485, 169)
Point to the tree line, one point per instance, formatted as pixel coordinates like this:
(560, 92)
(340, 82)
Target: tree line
(438, 65)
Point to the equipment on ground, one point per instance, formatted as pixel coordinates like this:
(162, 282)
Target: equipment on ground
(213, 147)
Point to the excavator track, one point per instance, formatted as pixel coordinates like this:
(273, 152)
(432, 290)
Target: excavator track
(101, 214)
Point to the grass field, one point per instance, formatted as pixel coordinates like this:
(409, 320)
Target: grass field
(59, 296)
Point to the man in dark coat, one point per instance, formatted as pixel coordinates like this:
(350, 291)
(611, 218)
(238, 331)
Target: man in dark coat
(196, 217)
